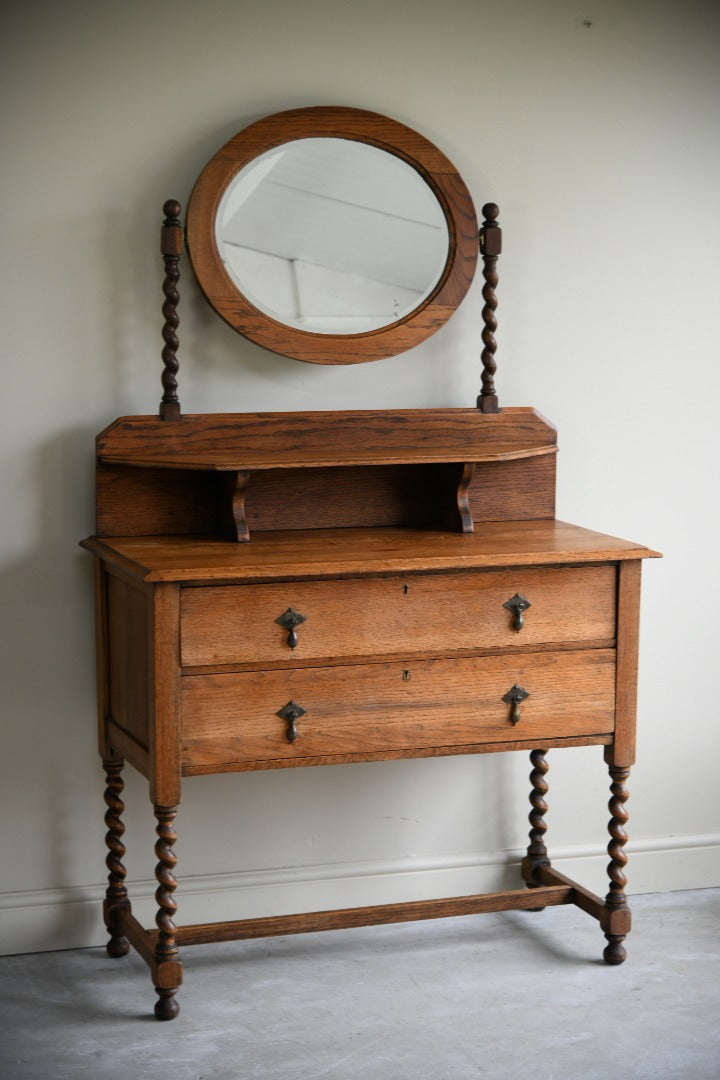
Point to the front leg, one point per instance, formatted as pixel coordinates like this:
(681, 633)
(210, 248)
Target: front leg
(166, 968)
(616, 922)
(537, 855)
(116, 897)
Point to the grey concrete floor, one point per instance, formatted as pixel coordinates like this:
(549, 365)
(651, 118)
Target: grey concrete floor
(503, 996)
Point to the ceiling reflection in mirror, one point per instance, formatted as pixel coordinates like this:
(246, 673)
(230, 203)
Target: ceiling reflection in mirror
(332, 236)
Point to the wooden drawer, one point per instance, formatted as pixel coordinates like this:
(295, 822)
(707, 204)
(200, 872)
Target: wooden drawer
(370, 708)
(394, 615)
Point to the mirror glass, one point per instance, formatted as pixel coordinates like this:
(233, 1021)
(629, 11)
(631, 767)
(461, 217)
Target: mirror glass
(332, 235)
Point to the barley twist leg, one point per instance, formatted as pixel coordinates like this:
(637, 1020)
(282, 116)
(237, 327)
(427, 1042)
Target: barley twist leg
(168, 971)
(617, 923)
(537, 855)
(116, 897)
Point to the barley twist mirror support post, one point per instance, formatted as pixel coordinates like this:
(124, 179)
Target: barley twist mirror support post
(490, 247)
(171, 247)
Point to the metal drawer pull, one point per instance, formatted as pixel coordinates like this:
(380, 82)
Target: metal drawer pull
(517, 604)
(291, 713)
(290, 620)
(514, 698)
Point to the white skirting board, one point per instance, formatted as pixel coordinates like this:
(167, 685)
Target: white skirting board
(69, 918)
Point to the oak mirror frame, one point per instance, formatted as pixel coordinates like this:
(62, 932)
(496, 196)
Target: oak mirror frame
(272, 133)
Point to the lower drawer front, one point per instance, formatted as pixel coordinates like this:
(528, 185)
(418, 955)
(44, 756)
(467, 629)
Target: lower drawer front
(393, 706)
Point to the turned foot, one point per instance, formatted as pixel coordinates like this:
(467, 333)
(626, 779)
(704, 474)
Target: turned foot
(537, 855)
(117, 946)
(116, 897)
(616, 922)
(166, 1007)
(614, 952)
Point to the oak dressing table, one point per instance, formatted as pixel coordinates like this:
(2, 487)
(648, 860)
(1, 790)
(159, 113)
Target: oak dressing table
(277, 590)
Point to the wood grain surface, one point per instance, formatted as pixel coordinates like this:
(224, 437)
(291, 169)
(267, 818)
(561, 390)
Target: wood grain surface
(430, 468)
(345, 552)
(391, 706)
(389, 615)
(461, 749)
(311, 922)
(231, 441)
(128, 676)
(154, 501)
(163, 649)
(623, 750)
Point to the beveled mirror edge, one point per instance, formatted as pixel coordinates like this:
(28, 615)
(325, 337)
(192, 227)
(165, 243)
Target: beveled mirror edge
(357, 125)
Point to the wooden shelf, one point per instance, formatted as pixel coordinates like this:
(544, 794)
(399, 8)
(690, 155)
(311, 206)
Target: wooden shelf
(237, 473)
(230, 442)
(237, 463)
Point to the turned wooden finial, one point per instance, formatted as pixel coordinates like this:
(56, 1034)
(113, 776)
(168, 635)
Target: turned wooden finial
(490, 248)
(171, 246)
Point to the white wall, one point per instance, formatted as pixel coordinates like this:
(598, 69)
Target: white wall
(601, 146)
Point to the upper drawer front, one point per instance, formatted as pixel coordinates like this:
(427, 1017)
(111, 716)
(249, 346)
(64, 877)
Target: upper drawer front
(396, 615)
(375, 708)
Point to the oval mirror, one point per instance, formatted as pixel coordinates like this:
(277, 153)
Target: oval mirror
(332, 235)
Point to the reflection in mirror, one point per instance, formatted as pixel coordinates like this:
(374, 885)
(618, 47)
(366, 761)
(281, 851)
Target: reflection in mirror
(332, 236)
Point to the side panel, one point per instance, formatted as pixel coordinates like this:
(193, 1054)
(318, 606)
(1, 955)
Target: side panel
(127, 661)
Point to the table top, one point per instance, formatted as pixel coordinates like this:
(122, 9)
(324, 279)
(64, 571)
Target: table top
(322, 553)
